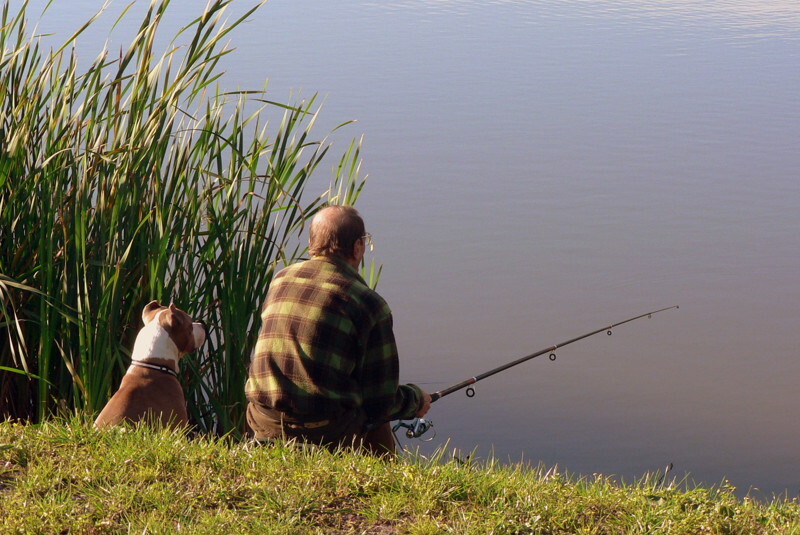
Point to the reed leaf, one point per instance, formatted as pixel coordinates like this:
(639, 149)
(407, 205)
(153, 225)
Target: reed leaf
(140, 178)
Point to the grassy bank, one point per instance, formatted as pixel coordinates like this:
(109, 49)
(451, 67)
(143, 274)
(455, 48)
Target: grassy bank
(64, 477)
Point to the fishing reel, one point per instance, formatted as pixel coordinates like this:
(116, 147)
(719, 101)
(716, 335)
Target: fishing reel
(415, 428)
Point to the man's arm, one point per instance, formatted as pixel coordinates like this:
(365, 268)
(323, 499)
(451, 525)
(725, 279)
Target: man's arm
(384, 398)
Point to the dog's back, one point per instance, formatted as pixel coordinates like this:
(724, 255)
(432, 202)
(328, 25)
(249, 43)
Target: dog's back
(146, 395)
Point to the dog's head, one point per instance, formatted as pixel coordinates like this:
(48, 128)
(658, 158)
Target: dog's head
(186, 333)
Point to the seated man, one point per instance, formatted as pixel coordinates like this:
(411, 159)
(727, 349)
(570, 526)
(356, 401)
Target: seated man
(325, 364)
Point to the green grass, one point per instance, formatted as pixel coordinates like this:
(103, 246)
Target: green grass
(65, 477)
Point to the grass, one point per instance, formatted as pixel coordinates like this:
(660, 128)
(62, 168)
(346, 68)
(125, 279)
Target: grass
(134, 176)
(64, 477)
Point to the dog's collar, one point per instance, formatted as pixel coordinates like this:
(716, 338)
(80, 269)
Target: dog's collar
(165, 369)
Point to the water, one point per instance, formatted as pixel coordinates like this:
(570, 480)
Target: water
(540, 169)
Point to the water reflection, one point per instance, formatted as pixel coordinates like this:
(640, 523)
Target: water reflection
(753, 18)
(586, 160)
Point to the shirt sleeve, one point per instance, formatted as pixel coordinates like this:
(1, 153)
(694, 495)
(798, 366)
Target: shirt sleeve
(383, 397)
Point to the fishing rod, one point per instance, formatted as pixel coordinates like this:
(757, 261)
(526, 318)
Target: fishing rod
(419, 426)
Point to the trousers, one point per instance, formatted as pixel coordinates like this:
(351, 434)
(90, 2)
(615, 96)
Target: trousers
(346, 430)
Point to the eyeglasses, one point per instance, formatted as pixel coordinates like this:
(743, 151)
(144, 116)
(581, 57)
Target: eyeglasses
(368, 241)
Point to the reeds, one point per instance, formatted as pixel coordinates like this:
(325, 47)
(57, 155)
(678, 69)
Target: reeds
(134, 179)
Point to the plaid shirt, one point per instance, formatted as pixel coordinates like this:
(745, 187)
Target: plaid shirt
(326, 345)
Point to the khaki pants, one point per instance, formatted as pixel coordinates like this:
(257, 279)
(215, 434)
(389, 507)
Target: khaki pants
(346, 430)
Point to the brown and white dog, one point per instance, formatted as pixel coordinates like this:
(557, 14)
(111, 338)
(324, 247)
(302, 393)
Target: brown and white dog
(150, 389)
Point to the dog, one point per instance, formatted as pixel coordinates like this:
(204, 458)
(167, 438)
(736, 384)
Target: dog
(150, 389)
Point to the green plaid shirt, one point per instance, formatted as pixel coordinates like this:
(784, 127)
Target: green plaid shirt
(326, 345)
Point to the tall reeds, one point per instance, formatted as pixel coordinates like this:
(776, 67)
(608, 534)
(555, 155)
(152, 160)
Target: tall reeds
(134, 179)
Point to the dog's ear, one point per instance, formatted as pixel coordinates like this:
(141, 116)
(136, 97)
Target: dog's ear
(149, 311)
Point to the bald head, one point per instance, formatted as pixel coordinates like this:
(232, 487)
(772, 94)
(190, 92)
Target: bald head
(335, 230)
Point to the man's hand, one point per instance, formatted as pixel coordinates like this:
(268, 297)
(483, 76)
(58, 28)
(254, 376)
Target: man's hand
(425, 406)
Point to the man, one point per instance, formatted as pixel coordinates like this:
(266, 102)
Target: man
(325, 367)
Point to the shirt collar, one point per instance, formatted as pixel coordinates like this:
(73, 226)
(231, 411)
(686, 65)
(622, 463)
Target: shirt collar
(340, 263)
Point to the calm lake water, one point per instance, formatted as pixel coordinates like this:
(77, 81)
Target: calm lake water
(542, 168)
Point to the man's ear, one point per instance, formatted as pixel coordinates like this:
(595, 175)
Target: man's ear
(358, 251)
